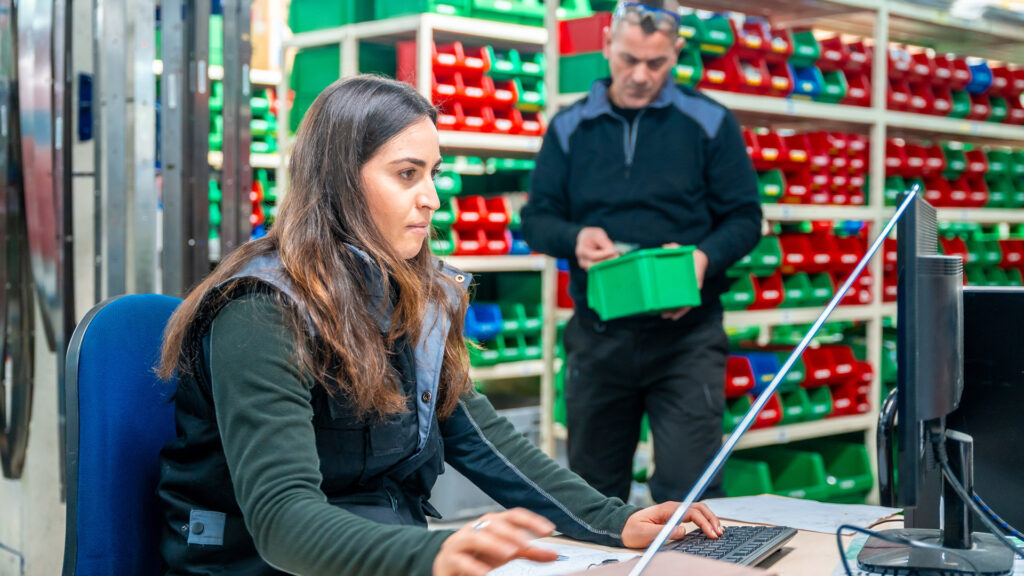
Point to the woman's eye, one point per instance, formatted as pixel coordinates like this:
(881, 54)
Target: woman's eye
(434, 174)
(407, 174)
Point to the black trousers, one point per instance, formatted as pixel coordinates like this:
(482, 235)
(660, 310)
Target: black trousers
(616, 375)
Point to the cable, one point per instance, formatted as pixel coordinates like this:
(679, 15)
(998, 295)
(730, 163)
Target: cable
(1009, 530)
(895, 540)
(947, 472)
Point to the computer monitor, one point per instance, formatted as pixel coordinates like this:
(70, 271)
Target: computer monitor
(930, 382)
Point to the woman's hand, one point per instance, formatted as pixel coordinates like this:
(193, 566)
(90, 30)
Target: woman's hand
(493, 540)
(642, 527)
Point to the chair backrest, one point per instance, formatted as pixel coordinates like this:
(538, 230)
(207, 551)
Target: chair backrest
(119, 416)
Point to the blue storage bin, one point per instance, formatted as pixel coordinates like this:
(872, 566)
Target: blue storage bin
(519, 246)
(981, 76)
(483, 321)
(807, 82)
(562, 265)
(765, 366)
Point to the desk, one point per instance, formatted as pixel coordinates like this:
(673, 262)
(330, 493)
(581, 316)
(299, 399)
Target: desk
(806, 554)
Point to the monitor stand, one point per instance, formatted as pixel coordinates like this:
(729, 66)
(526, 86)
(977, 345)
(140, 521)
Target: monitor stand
(963, 551)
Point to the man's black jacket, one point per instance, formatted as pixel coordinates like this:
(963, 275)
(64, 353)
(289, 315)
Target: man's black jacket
(679, 172)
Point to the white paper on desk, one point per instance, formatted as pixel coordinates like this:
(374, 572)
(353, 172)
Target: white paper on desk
(570, 559)
(797, 513)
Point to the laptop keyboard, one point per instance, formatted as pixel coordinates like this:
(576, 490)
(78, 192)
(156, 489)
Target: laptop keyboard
(744, 545)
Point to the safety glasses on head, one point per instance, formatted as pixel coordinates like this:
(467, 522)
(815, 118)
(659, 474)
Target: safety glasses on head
(636, 13)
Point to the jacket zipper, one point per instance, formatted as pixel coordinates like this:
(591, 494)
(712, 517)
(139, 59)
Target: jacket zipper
(629, 137)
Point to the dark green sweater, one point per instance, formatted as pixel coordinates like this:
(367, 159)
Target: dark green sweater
(264, 413)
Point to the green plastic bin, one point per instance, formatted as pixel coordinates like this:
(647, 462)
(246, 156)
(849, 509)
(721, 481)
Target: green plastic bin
(798, 291)
(448, 184)
(740, 294)
(796, 406)
(391, 8)
(441, 242)
(961, 104)
(740, 334)
(735, 409)
(834, 88)
(1000, 161)
(806, 49)
(643, 281)
(742, 477)
(531, 94)
(308, 15)
(999, 109)
(717, 37)
(518, 318)
(690, 68)
(1018, 162)
(771, 184)
(795, 473)
(762, 261)
(847, 469)
(578, 71)
(795, 376)
(216, 57)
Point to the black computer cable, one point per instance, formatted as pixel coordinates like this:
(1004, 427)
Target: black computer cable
(1007, 529)
(947, 473)
(895, 540)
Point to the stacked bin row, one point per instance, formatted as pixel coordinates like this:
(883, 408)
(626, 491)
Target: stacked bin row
(830, 470)
(826, 382)
(307, 15)
(809, 168)
(794, 269)
(264, 205)
(503, 332)
(471, 224)
(946, 85)
(262, 126)
(956, 175)
(481, 89)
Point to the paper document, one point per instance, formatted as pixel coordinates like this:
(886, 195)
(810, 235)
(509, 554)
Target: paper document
(570, 559)
(797, 513)
(858, 542)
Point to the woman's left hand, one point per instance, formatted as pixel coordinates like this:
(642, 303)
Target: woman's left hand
(642, 527)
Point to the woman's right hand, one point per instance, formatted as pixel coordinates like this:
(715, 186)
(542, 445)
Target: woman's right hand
(491, 541)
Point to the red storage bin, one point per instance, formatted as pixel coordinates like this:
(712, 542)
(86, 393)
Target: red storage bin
(1013, 253)
(739, 376)
(1018, 81)
(504, 93)
(859, 59)
(943, 100)
(824, 253)
(722, 73)
(780, 46)
(922, 98)
(465, 117)
(959, 191)
(772, 151)
(752, 39)
(508, 121)
(1002, 82)
(858, 91)
(857, 192)
(480, 242)
(833, 53)
(817, 368)
(753, 76)
(848, 399)
(850, 251)
(768, 292)
(797, 155)
(564, 300)
(583, 35)
(961, 72)
(470, 212)
(798, 187)
(532, 124)
(900, 63)
(498, 214)
(780, 79)
(943, 71)
(843, 362)
(917, 155)
(796, 253)
(934, 160)
(977, 162)
(978, 195)
(922, 67)
(818, 157)
(954, 246)
(895, 158)
(981, 107)
(770, 415)
(898, 96)
(1014, 111)
(889, 255)
(939, 193)
(889, 287)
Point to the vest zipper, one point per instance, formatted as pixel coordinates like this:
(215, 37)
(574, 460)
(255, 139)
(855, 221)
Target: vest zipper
(629, 139)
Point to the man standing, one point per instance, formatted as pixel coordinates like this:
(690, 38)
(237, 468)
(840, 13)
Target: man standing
(641, 162)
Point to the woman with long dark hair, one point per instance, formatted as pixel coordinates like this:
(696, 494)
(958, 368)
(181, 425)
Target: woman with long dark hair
(324, 381)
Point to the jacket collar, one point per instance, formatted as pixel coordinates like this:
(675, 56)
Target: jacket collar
(598, 103)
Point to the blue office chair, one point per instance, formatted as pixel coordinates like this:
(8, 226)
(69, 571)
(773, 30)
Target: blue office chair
(119, 416)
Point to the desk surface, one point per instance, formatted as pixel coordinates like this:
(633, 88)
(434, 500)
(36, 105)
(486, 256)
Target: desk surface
(807, 554)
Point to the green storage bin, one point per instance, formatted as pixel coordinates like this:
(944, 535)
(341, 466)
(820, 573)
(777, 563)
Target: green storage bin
(1014, 277)
(1016, 199)
(391, 8)
(216, 138)
(448, 184)
(819, 402)
(213, 192)
(518, 318)
(771, 184)
(1000, 162)
(798, 291)
(578, 71)
(1018, 162)
(263, 127)
(847, 469)
(796, 406)
(308, 15)
(762, 261)
(531, 94)
(795, 376)
(834, 87)
(997, 277)
(1000, 191)
(216, 101)
(999, 109)
(717, 37)
(961, 104)
(215, 217)
(691, 29)
(894, 188)
(795, 473)
(486, 353)
(740, 334)
(742, 477)
(444, 216)
(690, 68)
(806, 49)
(735, 410)
(508, 64)
(821, 289)
(259, 105)
(313, 70)
(441, 242)
(976, 276)
(956, 160)
(263, 146)
(216, 57)
(740, 294)
(643, 281)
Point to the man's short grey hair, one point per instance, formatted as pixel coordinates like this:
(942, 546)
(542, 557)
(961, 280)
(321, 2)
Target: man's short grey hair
(646, 25)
